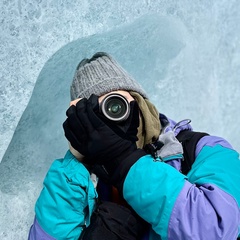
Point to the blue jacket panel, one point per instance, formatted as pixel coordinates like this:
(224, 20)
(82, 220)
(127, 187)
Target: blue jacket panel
(67, 199)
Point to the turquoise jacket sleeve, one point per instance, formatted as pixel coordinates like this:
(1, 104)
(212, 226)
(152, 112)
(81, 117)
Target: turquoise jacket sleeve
(151, 188)
(66, 201)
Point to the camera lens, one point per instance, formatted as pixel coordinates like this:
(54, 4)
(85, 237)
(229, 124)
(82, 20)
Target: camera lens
(115, 107)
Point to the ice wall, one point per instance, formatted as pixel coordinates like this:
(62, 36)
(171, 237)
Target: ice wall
(31, 32)
(186, 56)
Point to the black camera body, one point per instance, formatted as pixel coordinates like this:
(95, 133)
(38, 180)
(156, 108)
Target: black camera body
(115, 107)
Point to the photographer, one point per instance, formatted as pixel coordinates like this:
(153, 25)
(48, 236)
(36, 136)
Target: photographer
(122, 150)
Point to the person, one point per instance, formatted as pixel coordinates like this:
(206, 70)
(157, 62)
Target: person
(203, 203)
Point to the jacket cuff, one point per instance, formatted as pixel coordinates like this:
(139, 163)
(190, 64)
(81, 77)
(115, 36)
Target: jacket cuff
(119, 175)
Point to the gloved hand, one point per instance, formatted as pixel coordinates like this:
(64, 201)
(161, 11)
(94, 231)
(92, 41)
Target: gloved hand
(100, 143)
(172, 148)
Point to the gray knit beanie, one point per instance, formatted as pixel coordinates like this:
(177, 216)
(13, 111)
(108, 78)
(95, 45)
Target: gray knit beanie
(99, 75)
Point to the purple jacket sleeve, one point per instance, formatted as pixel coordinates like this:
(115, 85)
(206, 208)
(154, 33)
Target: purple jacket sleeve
(208, 205)
(36, 232)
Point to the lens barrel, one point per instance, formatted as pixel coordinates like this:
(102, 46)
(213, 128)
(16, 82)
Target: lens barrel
(115, 107)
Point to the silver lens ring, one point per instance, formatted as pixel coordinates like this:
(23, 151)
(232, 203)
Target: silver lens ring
(115, 107)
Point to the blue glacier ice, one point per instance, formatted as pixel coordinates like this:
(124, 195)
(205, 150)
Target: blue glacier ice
(187, 59)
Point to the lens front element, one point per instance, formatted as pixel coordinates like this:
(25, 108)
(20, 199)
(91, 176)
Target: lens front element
(115, 107)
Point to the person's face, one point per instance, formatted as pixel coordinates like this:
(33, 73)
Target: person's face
(121, 92)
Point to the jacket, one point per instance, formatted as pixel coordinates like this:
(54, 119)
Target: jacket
(204, 204)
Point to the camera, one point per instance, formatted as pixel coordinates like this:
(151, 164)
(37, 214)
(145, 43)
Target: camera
(115, 107)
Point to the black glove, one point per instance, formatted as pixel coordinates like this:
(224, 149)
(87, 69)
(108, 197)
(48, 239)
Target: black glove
(101, 143)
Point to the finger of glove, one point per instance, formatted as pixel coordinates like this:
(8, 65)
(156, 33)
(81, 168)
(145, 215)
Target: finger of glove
(78, 145)
(75, 124)
(82, 115)
(81, 104)
(93, 105)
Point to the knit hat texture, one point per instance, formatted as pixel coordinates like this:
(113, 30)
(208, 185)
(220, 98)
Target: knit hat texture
(99, 75)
